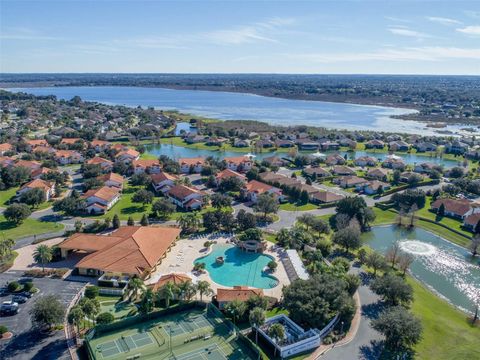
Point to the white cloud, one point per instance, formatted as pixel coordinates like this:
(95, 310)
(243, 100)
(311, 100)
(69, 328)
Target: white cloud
(21, 33)
(428, 53)
(403, 31)
(470, 30)
(443, 20)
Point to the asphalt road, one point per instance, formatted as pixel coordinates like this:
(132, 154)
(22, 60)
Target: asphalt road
(28, 343)
(367, 344)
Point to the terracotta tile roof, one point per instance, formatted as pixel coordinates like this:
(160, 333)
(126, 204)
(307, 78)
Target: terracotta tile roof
(32, 165)
(192, 161)
(95, 143)
(259, 187)
(242, 293)
(45, 149)
(98, 160)
(105, 193)
(237, 159)
(89, 242)
(138, 249)
(70, 141)
(6, 147)
(158, 178)
(36, 142)
(181, 191)
(38, 183)
(144, 163)
(111, 177)
(129, 152)
(173, 278)
(473, 219)
(227, 173)
(67, 153)
(41, 171)
(458, 207)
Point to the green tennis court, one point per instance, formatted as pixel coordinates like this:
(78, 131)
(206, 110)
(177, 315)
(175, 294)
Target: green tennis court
(186, 335)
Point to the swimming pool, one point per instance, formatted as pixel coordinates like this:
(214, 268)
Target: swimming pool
(239, 268)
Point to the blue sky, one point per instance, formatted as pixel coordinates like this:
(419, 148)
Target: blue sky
(389, 37)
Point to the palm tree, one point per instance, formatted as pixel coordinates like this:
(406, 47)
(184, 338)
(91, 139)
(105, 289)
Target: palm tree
(135, 288)
(256, 319)
(203, 288)
(146, 304)
(189, 221)
(276, 332)
(167, 292)
(42, 255)
(236, 309)
(75, 316)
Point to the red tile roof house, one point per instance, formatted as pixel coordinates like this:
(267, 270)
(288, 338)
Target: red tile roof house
(44, 150)
(112, 180)
(150, 166)
(105, 164)
(458, 209)
(394, 163)
(127, 156)
(72, 141)
(173, 278)
(99, 201)
(32, 144)
(255, 188)
(163, 181)
(130, 250)
(37, 173)
(47, 187)
(5, 147)
(227, 173)
(350, 181)
(185, 197)
(242, 293)
(100, 145)
(191, 165)
(239, 163)
(32, 165)
(471, 221)
(65, 157)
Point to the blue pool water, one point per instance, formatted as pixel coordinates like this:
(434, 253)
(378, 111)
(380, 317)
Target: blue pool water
(239, 268)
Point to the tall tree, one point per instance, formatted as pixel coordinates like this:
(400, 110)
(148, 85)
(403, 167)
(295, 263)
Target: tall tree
(47, 311)
(256, 319)
(277, 333)
(393, 289)
(204, 288)
(266, 204)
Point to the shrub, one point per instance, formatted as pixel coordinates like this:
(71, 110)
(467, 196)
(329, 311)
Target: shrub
(272, 265)
(3, 330)
(91, 292)
(13, 286)
(105, 318)
(28, 286)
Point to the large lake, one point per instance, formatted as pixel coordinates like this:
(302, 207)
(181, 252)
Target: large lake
(238, 106)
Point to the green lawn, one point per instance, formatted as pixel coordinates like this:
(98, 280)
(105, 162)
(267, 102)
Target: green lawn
(446, 332)
(6, 195)
(27, 228)
(292, 207)
(125, 207)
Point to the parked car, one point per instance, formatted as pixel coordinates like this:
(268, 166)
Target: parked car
(4, 291)
(19, 299)
(26, 294)
(9, 308)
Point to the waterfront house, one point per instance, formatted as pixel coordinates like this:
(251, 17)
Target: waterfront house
(455, 208)
(398, 146)
(378, 174)
(307, 144)
(149, 166)
(226, 174)
(239, 163)
(365, 161)
(191, 165)
(335, 159)
(374, 144)
(127, 156)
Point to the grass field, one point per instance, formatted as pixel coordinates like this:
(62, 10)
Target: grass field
(27, 228)
(186, 335)
(446, 332)
(6, 195)
(119, 310)
(293, 207)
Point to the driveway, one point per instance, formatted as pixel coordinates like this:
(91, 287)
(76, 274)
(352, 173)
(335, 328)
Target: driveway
(28, 343)
(367, 344)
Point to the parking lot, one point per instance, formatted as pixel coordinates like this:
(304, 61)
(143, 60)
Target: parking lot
(26, 342)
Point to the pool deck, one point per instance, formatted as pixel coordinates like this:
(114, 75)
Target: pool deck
(182, 256)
